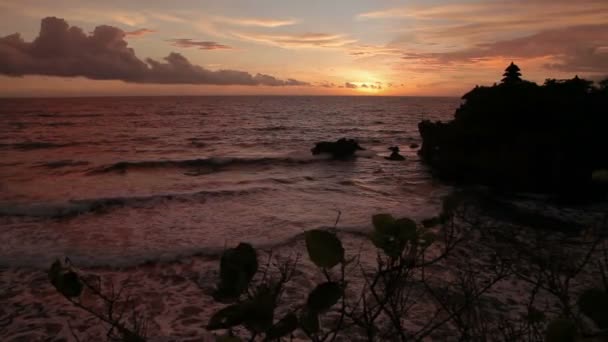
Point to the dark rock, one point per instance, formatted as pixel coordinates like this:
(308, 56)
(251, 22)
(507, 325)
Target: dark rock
(414, 145)
(341, 149)
(521, 136)
(395, 155)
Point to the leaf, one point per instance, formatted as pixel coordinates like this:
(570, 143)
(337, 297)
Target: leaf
(392, 235)
(324, 296)
(129, 336)
(259, 311)
(237, 268)
(561, 330)
(427, 239)
(382, 222)
(405, 229)
(324, 248)
(431, 222)
(391, 245)
(55, 272)
(285, 326)
(309, 321)
(535, 315)
(227, 338)
(594, 304)
(451, 202)
(70, 285)
(256, 314)
(600, 176)
(227, 317)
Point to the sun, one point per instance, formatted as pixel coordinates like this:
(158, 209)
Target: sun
(369, 87)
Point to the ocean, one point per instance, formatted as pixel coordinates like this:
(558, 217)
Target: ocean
(146, 193)
(126, 180)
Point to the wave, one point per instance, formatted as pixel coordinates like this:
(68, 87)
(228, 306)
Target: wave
(136, 259)
(274, 128)
(78, 207)
(34, 145)
(62, 163)
(213, 162)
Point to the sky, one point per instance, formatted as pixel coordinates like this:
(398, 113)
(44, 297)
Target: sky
(284, 47)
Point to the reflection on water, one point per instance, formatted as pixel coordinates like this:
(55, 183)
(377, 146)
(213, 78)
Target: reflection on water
(122, 180)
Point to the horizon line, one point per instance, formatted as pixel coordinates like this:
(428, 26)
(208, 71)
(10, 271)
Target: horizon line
(212, 95)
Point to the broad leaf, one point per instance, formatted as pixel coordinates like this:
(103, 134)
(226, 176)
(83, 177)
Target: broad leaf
(285, 326)
(405, 229)
(70, 285)
(594, 304)
(427, 239)
(600, 176)
(535, 315)
(227, 338)
(382, 222)
(309, 322)
(391, 245)
(324, 248)
(237, 268)
(227, 317)
(55, 271)
(431, 222)
(259, 311)
(324, 296)
(392, 235)
(561, 330)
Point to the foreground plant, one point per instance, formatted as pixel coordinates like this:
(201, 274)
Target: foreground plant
(356, 300)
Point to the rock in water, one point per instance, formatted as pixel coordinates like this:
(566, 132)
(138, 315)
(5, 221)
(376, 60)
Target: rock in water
(340, 149)
(395, 155)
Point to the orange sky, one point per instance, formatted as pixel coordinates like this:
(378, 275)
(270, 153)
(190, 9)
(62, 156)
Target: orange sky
(347, 47)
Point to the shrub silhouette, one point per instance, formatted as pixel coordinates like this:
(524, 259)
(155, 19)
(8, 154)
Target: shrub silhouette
(336, 308)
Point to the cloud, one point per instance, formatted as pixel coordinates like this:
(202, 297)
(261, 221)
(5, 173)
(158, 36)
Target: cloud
(260, 22)
(484, 11)
(272, 81)
(202, 45)
(139, 33)
(326, 84)
(304, 40)
(575, 49)
(61, 50)
(350, 85)
(374, 50)
(466, 24)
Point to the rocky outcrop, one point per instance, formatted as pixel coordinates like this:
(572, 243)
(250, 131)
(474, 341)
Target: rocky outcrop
(395, 154)
(522, 136)
(340, 149)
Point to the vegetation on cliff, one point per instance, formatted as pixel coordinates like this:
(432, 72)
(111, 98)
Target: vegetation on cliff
(523, 136)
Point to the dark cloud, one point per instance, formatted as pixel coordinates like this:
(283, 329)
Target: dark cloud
(364, 85)
(61, 50)
(272, 81)
(139, 33)
(203, 45)
(326, 84)
(350, 85)
(576, 49)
